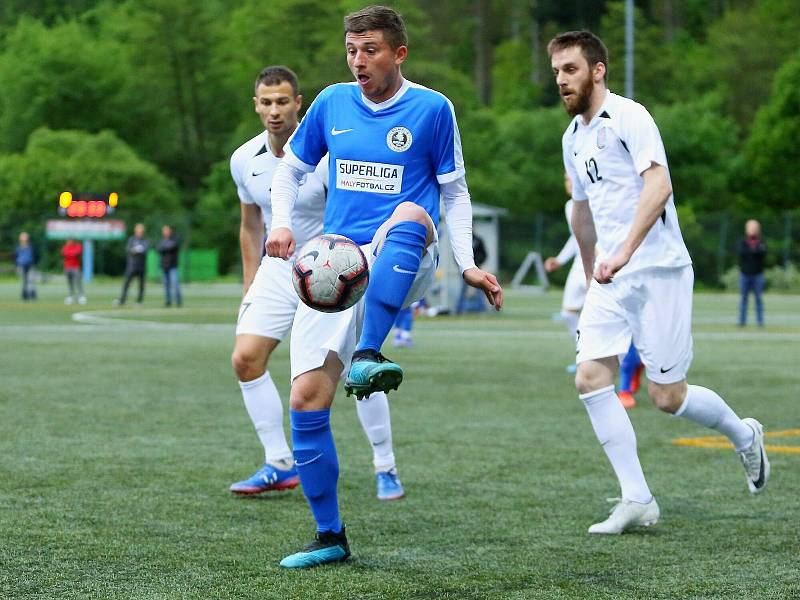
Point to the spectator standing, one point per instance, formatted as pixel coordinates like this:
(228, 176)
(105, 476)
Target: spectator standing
(25, 258)
(136, 251)
(72, 253)
(752, 252)
(169, 247)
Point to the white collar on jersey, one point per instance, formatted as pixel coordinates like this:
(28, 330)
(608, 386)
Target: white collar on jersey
(376, 106)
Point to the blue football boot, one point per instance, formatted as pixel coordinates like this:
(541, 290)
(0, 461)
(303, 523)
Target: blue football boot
(327, 547)
(389, 486)
(371, 372)
(268, 478)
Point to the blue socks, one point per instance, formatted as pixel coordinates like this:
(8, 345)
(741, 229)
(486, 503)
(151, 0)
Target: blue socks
(405, 319)
(317, 465)
(392, 274)
(628, 367)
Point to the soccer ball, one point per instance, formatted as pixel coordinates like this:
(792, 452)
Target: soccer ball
(330, 273)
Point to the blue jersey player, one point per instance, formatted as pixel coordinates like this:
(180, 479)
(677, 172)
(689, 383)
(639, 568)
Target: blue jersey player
(394, 150)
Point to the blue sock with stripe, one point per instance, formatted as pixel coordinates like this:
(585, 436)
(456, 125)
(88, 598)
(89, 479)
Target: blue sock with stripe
(317, 465)
(391, 277)
(627, 368)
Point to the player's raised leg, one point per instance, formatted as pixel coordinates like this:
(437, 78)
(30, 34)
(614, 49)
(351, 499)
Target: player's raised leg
(373, 412)
(707, 408)
(408, 232)
(317, 463)
(250, 359)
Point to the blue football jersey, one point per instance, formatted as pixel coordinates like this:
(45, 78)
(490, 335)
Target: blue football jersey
(380, 154)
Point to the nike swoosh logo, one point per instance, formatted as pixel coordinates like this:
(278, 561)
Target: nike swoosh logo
(398, 269)
(663, 370)
(308, 462)
(257, 174)
(759, 483)
(335, 131)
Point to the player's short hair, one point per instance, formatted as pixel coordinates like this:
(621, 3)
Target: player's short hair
(276, 74)
(378, 18)
(592, 47)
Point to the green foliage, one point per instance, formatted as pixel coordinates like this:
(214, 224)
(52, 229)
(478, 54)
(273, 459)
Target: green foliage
(701, 149)
(217, 216)
(62, 78)
(516, 158)
(512, 88)
(744, 49)
(777, 279)
(772, 152)
(54, 161)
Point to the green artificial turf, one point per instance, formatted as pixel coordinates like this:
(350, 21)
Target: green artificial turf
(119, 436)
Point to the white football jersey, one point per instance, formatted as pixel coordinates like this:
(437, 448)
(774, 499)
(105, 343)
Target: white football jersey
(605, 160)
(252, 167)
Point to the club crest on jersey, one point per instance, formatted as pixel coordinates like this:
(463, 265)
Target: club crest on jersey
(399, 139)
(601, 138)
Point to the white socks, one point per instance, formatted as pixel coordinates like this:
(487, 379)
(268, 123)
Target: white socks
(266, 411)
(615, 433)
(571, 319)
(373, 412)
(705, 407)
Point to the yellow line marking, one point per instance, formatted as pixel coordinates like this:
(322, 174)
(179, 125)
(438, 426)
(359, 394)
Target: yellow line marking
(721, 442)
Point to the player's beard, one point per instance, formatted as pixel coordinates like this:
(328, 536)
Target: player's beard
(582, 99)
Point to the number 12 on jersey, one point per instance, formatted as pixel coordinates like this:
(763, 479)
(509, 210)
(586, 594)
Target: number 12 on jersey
(592, 163)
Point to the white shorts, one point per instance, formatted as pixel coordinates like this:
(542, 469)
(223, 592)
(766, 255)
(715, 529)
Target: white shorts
(575, 287)
(315, 333)
(652, 307)
(269, 306)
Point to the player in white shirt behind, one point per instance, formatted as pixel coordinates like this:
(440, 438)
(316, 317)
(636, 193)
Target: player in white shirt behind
(641, 277)
(575, 285)
(270, 301)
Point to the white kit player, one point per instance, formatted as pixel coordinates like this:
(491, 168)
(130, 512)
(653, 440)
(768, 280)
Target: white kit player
(270, 301)
(575, 285)
(642, 276)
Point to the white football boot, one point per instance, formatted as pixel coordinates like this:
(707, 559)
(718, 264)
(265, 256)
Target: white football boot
(627, 514)
(754, 458)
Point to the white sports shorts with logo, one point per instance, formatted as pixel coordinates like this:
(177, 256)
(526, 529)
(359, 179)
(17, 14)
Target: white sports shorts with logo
(575, 287)
(269, 306)
(652, 307)
(315, 333)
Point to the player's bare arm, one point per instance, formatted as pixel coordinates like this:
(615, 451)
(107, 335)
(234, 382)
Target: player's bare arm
(250, 236)
(583, 228)
(483, 280)
(655, 193)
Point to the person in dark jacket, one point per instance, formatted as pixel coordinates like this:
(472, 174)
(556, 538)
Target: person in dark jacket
(169, 247)
(25, 258)
(752, 252)
(136, 250)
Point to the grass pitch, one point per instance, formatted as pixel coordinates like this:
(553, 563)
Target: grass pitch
(119, 435)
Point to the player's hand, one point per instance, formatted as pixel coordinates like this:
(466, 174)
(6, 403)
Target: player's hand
(280, 243)
(488, 283)
(605, 271)
(551, 264)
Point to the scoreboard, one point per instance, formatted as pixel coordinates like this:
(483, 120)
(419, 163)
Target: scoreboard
(87, 206)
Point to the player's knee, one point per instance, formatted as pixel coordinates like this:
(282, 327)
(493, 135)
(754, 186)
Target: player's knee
(666, 397)
(587, 380)
(408, 211)
(247, 365)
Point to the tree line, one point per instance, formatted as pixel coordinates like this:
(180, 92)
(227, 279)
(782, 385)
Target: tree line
(150, 97)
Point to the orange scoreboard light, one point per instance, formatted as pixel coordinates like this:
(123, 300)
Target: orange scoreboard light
(87, 206)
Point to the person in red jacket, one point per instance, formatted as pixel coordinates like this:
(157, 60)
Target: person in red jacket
(72, 252)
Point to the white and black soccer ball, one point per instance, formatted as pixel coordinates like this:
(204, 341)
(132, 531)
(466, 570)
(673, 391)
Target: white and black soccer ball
(330, 273)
